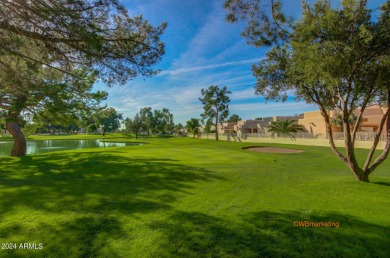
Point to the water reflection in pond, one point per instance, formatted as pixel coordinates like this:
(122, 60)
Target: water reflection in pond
(36, 147)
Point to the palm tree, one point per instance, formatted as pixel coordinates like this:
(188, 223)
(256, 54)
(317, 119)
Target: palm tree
(285, 128)
(338, 121)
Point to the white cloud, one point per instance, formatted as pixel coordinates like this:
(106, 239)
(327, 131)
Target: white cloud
(213, 54)
(205, 67)
(243, 94)
(212, 43)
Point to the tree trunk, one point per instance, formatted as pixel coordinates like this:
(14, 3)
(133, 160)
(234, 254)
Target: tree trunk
(20, 145)
(361, 176)
(368, 169)
(104, 132)
(216, 128)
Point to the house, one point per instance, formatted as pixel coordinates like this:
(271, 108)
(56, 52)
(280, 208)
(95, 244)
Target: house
(371, 118)
(313, 121)
(252, 126)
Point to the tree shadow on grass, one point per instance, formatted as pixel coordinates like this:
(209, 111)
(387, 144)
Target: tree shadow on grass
(100, 179)
(87, 236)
(382, 183)
(85, 195)
(90, 236)
(270, 234)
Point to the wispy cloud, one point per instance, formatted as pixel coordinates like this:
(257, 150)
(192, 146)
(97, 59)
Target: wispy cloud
(205, 67)
(243, 94)
(201, 50)
(213, 43)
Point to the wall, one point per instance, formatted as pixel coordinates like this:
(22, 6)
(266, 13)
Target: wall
(313, 122)
(298, 141)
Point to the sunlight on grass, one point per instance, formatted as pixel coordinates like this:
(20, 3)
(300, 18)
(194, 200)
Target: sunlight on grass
(191, 198)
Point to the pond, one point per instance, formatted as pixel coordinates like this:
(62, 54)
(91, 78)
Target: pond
(36, 147)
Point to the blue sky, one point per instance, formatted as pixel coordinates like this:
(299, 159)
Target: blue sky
(202, 49)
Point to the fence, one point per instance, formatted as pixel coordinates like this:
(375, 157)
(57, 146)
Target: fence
(360, 136)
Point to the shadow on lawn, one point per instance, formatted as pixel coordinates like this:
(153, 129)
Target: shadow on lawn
(95, 180)
(270, 234)
(85, 195)
(382, 183)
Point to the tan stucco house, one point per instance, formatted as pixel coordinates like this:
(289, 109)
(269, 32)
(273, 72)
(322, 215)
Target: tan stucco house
(312, 122)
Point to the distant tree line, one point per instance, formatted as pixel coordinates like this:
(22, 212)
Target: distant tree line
(97, 120)
(150, 122)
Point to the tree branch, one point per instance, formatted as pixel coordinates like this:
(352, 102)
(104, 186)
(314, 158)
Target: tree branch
(329, 129)
(386, 118)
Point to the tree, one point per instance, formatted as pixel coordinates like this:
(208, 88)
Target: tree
(158, 122)
(32, 89)
(162, 121)
(50, 50)
(109, 120)
(207, 126)
(338, 121)
(179, 129)
(267, 24)
(147, 118)
(95, 33)
(68, 115)
(168, 121)
(29, 126)
(3, 121)
(234, 118)
(92, 128)
(215, 104)
(336, 59)
(285, 128)
(192, 126)
(134, 125)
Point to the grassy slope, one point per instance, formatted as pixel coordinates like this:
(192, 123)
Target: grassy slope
(191, 198)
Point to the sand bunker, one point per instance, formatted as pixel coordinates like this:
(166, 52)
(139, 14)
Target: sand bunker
(271, 149)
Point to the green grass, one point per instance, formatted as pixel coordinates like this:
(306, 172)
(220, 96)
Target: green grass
(191, 198)
(74, 136)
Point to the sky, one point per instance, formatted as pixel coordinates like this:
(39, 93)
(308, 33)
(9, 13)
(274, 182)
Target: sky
(201, 49)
